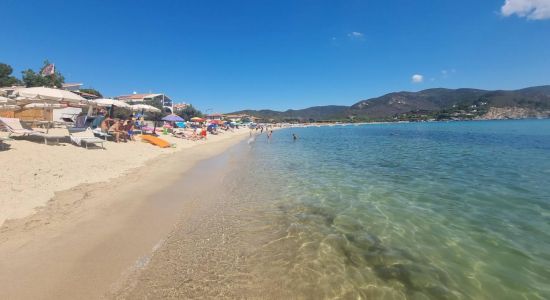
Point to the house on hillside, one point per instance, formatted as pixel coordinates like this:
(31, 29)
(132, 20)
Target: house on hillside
(71, 86)
(180, 106)
(145, 98)
(215, 116)
(75, 88)
(234, 118)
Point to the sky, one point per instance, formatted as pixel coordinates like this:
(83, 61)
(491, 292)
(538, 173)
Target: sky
(224, 56)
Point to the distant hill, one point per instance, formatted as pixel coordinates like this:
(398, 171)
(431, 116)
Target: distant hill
(437, 103)
(329, 112)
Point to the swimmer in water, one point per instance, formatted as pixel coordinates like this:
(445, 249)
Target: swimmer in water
(294, 137)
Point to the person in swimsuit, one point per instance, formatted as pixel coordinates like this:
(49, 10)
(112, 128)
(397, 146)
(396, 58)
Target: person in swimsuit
(117, 131)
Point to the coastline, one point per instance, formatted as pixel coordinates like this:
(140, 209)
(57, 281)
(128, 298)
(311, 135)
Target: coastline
(34, 172)
(87, 236)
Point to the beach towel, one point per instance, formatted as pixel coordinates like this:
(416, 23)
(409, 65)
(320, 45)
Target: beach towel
(80, 121)
(97, 121)
(155, 141)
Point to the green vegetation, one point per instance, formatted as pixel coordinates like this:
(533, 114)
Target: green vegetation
(431, 104)
(5, 76)
(189, 112)
(32, 78)
(92, 91)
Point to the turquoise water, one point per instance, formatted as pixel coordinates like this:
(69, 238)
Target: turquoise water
(457, 210)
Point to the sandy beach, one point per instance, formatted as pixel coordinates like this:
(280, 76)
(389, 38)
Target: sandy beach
(34, 172)
(76, 220)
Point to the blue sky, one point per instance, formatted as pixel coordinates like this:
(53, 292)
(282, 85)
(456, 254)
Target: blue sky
(231, 55)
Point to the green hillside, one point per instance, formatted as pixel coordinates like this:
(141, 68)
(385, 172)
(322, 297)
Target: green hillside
(427, 104)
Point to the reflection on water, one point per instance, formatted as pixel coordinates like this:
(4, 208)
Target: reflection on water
(400, 211)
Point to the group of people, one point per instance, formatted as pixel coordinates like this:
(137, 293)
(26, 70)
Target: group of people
(120, 129)
(198, 133)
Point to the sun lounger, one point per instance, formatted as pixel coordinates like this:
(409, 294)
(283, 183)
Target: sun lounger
(67, 120)
(2, 144)
(85, 137)
(79, 124)
(51, 137)
(101, 134)
(13, 126)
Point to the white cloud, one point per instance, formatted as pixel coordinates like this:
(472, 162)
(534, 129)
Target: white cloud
(356, 35)
(447, 73)
(530, 9)
(417, 78)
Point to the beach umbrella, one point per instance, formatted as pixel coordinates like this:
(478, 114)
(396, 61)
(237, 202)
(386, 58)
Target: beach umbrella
(217, 122)
(173, 118)
(104, 102)
(110, 103)
(44, 94)
(45, 105)
(197, 119)
(4, 100)
(144, 107)
(9, 107)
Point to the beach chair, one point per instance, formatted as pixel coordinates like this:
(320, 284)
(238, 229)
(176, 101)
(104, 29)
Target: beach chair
(97, 132)
(79, 124)
(2, 144)
(85, 138)
(13, 126)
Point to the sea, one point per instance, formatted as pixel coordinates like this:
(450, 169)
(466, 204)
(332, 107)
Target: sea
(437, 210)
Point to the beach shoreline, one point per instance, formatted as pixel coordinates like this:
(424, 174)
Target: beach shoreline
(85, 238)
(34, 172)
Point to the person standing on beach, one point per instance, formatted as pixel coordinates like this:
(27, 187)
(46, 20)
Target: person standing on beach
(203, 132)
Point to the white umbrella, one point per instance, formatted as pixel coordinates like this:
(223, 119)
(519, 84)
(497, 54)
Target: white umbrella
(45, 105)
(144, 107)
(4, 100)
(110, 102)
(9, 107)
(43, 94)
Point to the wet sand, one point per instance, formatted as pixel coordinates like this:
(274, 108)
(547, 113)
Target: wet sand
(222, 248)
(89, 240)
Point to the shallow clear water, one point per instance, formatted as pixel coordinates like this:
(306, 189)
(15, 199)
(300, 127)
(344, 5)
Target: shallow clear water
(457, 210)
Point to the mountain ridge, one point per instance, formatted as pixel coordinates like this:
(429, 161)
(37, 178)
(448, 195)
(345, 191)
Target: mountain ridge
(434, 103)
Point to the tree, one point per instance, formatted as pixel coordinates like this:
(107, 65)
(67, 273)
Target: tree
(156, 102)
(189, 112)
(92, 91)
(31, 78)
(5, 76)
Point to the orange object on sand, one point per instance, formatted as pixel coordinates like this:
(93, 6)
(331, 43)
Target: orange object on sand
(155, 141)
